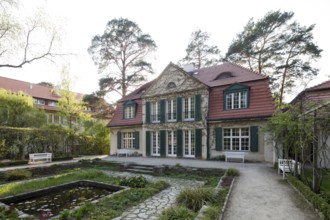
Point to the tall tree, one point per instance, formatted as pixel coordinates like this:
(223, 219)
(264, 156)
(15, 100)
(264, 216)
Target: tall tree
(70, 105)
(24, 40)
(101, 108)
(121, 53)
(200, 52)
(276, 46)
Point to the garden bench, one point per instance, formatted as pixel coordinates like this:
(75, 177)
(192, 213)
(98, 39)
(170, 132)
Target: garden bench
(287, 166)
(40, 156)
(125, 151)
(234, 155)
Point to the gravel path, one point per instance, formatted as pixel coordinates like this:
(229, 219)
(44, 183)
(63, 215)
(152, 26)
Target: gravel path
(260, 193)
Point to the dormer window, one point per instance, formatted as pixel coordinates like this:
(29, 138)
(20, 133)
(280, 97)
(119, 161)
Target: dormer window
(129, 109)
(224, 75)
(171, 85)
(236, 97)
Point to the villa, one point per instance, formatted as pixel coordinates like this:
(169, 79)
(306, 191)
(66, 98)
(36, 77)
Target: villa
(196, 113)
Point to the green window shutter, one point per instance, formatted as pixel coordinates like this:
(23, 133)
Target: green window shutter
(162, 110)
(179, 109)
(137, 140)
(218, 139)
(148, 112)
(118, 140)
(163, 143)
(198, 143)
(254, 140)
(179, 151)
(148, 143)
(198, 103)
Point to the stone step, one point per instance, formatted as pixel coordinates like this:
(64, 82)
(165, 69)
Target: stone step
(139, 171)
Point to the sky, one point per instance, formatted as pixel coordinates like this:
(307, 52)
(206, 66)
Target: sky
(170, 24)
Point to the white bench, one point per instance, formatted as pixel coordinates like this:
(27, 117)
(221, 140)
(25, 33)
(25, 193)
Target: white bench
(235, 155)
(125, 151)
(287, 166)
(40, 156)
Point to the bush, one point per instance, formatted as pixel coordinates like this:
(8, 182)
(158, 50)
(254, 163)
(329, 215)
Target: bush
(317, 201)
(14, 163)
(134, 182)
(195, 198)
(8, 213)
(17, 175)
(232, 172)
(212, 212)
(177, 212)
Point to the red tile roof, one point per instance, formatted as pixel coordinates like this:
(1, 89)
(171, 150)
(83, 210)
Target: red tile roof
(261, 103)
(238, 74)
(316, 93)
(324, 85)
(118, 120)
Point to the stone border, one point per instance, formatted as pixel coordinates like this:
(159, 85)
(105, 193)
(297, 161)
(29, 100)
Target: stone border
(320, 214)
(22, 215)
(227, 199)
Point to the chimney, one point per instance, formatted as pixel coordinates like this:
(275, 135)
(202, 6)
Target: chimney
(189, 68)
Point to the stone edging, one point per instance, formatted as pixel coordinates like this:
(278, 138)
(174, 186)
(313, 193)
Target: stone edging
(201, 211)
(227, 199)
(316, 210)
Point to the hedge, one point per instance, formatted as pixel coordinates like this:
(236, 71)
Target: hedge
(317, 201)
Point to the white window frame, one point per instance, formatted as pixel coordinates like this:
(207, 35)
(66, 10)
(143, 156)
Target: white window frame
(171, 144)
(171, 106)
(155, 112)
(189, 108)
(129, 112)
(155, 143)
(241, 138)
(189, 147)
(238, 100)
(127, 140)
(52, 103)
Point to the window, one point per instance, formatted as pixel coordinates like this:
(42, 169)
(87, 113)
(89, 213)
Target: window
(128, 140)
(236, 100)
(171, 143)
(189, 143)
(189, 108)
(51, 103)
(171, 85)
(155, 143)
(171, 110)
(236, 139)
(155, 112)
(39, 102)
(129, 112)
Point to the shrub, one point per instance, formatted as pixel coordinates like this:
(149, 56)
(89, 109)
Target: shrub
(317, 201)
(232, 172)
(177, 212)
(17, 175)
(135, 182)
(13, 163)
(8, 213)
(212, 212)
(195, 198)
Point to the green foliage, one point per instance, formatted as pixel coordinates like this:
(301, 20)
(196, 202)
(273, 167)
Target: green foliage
(232, 172)
(3, 149)
(134, 181)
(8, 213)
(199, 52)
(113, 52)
(317, 200)
(212, 213)
(101, 107)
(17, 175)
(195, 198)
(278, 47)
(13, 163)
(65, 215)
(97, 134)
(177, 212)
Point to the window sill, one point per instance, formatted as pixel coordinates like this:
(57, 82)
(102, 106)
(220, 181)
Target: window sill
(188, 119)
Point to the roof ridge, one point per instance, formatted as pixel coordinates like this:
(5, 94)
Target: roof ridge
(320, 84)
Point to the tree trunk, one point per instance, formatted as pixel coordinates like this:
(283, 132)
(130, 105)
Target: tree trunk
(316, 177)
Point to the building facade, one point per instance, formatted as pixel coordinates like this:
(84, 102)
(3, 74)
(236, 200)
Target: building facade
(196, 114)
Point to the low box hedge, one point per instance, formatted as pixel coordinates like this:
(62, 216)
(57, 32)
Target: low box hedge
(317, 201)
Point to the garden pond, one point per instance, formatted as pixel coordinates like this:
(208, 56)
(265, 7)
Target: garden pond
(48, 203)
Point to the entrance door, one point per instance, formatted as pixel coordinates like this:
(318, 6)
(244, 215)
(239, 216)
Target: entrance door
(171, 143)
(189, 143)
(155, 144)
